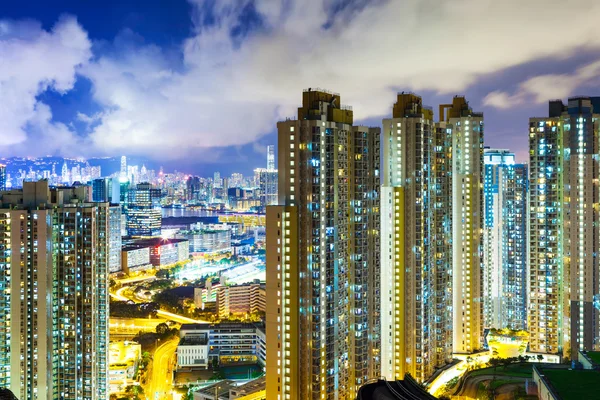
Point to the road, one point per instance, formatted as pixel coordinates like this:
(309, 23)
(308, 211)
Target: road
(470, 387)
(160, 384)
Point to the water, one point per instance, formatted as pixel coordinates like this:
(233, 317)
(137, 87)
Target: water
(186, 212)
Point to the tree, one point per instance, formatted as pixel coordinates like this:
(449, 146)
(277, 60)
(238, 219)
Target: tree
(146, 359)
(540, 357)
(162, 329)
(495, 362)
(134, 390)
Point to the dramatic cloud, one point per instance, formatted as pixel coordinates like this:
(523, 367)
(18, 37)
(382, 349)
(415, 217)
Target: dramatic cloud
(540, 89)
(32, 61)
(237, 79)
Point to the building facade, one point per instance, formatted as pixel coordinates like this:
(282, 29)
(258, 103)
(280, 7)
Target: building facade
(207, 238)
(143, 210)
(267, 186)
(162, 252)
(201, 345)
(467, 223)
(56, 336)
(135, 258)
(241, 299)
(323, 255)
(416, 245)
(505, 241)
(564, 228)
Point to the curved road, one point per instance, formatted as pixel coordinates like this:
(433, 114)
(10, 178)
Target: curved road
(165, 314)
(470, 387)
(160, 382)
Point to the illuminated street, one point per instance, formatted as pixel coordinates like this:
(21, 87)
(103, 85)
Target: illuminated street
(119, 295)
(160, 383)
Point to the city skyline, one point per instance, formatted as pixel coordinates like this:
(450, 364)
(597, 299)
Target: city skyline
(299, 199)
(67, 101)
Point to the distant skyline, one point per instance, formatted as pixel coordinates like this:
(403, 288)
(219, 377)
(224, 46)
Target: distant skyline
(199, 85)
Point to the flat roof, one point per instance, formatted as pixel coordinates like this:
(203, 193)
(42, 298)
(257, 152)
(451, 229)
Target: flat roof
(193, 340)
(571, 384)
(594, 356)
(151, 242)
(226, 325)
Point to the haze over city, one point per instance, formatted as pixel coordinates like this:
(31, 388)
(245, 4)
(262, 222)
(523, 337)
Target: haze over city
(201, 83)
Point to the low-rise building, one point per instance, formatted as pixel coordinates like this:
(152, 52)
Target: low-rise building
(241, 299)
(558, 382)
(253, 390)
(227, 344)
(207, 238)
(161, 251)
(192, 350)
(206, 294)
(135, 259)
(124, 358)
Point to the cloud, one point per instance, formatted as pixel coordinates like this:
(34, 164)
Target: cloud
(542, 88)
(32, 61)
(232, 88)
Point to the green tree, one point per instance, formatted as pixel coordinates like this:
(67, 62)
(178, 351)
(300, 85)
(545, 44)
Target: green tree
(134, 391)
(162, 329)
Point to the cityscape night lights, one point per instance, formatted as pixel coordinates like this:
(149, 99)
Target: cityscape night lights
(299, 199)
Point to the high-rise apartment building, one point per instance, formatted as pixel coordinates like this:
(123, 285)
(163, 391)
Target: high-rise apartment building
(505, 240)
(323, 255)
(143, 210)
(564, 228)
(467, 223)
(54, 291)
(416, 245)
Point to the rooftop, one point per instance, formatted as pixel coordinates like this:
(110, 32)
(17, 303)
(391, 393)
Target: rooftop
(191, 340)
(151, 242)
(407, 389)
(226, 325)
(594, 356)
(571, 384)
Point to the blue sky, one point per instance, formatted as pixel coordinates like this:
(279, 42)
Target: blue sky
(200, 84)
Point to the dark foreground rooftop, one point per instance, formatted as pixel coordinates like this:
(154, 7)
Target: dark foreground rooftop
(407, 389)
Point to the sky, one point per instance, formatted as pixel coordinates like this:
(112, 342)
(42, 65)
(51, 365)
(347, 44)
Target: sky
(199, 85)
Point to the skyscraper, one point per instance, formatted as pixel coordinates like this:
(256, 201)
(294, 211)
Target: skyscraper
(143, 211)
(123, 171)
(271, 158)
(65, 176)
(323, 255)
(2, 177)
(54, 331)
(416, 245)
(564, 228)
(101, 190)
(268, 186)
(505, 240)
